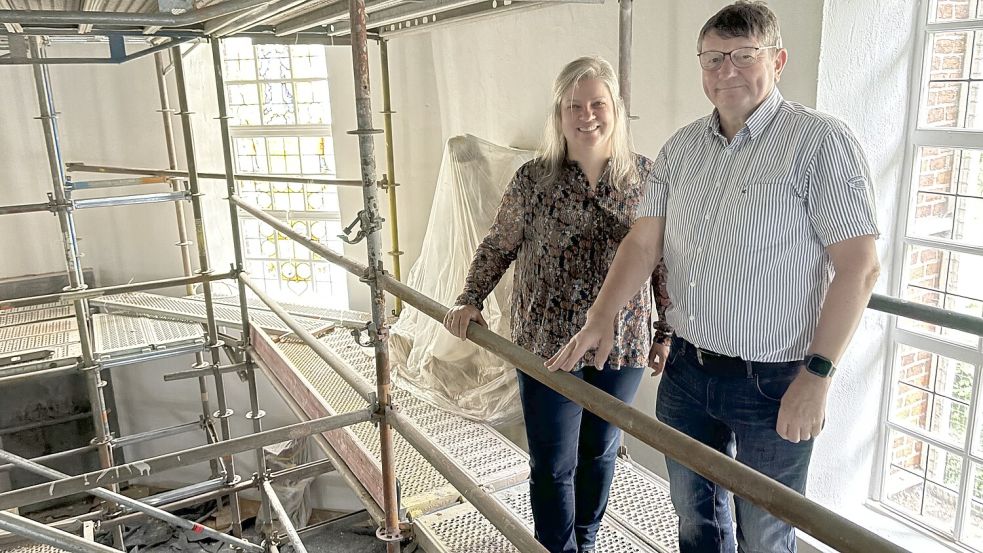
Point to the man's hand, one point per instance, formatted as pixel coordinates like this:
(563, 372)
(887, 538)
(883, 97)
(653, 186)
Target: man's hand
(457, 319)
(658, 354)
(803, 409)
(597, 335)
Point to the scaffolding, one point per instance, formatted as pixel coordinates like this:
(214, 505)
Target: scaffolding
(375, 403)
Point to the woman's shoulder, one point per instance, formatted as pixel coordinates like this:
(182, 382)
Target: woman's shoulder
(532, 171)
(645, 165)
(643, 162)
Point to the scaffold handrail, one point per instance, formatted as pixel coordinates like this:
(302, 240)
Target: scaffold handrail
(783, 502)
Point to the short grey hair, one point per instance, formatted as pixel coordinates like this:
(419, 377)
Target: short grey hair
(744, 18)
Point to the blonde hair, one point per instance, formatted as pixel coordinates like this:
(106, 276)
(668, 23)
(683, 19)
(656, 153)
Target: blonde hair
(553, 152)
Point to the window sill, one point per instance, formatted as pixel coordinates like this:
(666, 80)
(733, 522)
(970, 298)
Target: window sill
(882, 522)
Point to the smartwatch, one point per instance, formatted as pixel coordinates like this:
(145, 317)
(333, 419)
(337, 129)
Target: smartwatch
(819, 365)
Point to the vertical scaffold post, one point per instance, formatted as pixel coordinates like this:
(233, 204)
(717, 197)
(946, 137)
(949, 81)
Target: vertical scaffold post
(371, 224)
(255, 414)
(182, 232)
(624, 52)
(387, 114)
(224, 413)
(73, 261)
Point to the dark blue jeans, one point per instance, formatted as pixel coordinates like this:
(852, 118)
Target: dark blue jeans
(571, 458)
(735, 415)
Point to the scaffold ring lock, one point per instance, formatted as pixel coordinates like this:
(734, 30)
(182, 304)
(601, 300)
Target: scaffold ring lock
(385, 536)
(219, 415)
(259, 414)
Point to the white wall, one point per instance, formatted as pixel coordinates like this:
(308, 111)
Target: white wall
(106, 117)
(873, 98)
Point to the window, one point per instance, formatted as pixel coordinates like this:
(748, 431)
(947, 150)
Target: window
(280, 122)
(933, 460)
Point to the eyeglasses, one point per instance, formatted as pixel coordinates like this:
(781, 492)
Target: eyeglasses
(740, 57)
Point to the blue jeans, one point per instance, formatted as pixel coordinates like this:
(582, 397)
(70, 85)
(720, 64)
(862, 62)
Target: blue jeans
(572, 454)
(736, 415)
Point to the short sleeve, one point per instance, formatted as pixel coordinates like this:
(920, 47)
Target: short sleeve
(840, 197)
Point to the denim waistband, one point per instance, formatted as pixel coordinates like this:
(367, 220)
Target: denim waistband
(717, 364)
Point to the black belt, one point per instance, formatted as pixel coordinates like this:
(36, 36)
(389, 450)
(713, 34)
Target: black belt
(718, 364)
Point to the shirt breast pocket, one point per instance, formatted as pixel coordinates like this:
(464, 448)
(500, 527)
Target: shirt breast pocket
(768, 211)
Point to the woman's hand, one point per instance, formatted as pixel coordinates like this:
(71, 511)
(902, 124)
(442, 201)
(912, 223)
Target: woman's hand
(658, 354)
(458, 317)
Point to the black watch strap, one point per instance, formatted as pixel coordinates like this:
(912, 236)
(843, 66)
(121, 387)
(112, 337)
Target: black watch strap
(819, 365)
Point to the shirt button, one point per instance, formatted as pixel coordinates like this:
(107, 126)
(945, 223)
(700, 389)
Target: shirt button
(692, 284)
(692, 317)
(706, 217)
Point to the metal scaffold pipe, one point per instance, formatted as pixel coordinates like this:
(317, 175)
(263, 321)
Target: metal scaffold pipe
(183, 243)
(165, 112)
(59, 539)
(135, 505)
(371, 229)
(93, 378)
(255, 414)
(178, 174)
(190, 17)
(283, 517)
(343, 470)
(111, 290)
(507, 522)
(136, 469)
(624, 51)
(223, 412)
(387, 115)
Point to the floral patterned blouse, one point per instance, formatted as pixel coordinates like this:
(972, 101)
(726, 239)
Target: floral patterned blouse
(564, 236)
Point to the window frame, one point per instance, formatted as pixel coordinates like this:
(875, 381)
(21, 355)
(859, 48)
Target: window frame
(897, 337)
(339, 287)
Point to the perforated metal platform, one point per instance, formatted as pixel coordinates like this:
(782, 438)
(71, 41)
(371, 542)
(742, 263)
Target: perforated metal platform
(35, 313)
(343, 317)
(184, 309)
(462, 529)
(58, 336)
(479, 449)
(33, 548)
(117, 335)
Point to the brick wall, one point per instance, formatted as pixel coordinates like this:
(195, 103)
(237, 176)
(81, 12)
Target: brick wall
(948, 10)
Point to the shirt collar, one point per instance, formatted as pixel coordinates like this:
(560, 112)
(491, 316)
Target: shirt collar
(759, 119)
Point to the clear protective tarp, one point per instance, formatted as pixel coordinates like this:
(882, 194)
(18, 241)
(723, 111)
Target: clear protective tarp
(457, 375)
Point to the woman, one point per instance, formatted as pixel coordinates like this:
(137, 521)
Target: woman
(561, 220)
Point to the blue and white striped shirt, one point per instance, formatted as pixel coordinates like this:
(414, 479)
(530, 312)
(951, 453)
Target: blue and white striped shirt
(747, 224)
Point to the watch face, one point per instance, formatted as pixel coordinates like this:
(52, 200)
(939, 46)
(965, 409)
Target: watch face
(819, 366)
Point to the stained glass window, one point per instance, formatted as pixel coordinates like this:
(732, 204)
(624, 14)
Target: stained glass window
(281, 124)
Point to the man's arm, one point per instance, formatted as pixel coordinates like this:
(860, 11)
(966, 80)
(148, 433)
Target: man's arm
(856, 270)
(638, 254)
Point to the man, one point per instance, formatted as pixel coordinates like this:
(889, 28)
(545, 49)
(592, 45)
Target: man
(754, 208)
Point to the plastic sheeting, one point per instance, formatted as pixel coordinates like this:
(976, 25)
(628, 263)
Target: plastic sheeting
(294, 494)
(457, 375)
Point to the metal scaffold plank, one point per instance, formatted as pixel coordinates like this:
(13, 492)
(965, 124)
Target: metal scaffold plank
(462, 529)
(184, 309)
